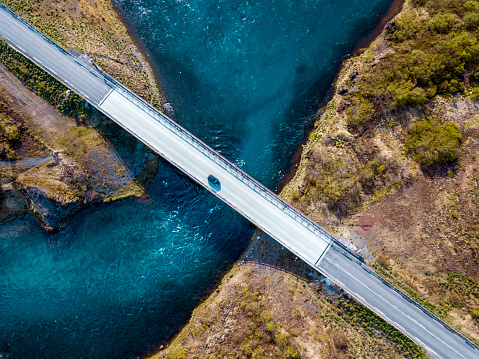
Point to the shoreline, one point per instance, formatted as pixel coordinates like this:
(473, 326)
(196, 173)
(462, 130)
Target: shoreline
(146, 54)
(394, 9)
(99, 186)
(295, 160)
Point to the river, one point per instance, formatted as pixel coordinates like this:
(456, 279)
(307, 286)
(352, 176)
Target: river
(244, 76)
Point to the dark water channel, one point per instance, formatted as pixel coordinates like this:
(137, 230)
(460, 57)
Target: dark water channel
(244, 76)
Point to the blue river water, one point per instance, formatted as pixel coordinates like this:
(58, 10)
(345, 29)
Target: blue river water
(246, 77)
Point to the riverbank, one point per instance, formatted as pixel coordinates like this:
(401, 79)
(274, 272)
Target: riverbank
(414, 220)
(270, 304)
(364, 177)
(94, 29)
(295, 314)
(84, 167)
(394, 9)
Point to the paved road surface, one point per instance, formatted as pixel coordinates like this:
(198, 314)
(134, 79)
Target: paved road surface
(248, 197)
(358, 281)
(199, 161)
(34, 45)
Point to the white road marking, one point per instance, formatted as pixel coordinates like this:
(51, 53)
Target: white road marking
(104, 98)
(381, 314)
(243, 194)
(300, 246)
(361, 299)
(405, 314)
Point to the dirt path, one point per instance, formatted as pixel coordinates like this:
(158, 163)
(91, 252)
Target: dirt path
(84, 169)
(61, 133)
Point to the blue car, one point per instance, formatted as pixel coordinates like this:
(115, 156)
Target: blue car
(214, 182)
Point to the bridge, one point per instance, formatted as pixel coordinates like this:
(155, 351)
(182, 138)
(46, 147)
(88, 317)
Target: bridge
(254, 201)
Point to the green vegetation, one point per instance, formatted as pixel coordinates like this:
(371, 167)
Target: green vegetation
(179, 353)
(342, 173)
(262, 338)
(436, 51)
(447, 288)
(432, 142)
(91, 26)
(376, 326)
(363, 112)
(463, 217)
(9, 137)
(43, 84)
(334, 177)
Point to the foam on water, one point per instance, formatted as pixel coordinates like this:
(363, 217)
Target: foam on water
(120, 278)
(245, 76)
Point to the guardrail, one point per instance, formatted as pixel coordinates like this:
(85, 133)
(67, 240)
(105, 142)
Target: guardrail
(223, 162)
(231, 168)
(187, 136)
(50, 41)
(346, 252)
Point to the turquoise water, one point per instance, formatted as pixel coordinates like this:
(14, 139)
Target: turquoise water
(245, 76)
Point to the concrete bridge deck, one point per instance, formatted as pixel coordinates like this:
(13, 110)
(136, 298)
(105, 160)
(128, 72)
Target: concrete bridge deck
(254, 201)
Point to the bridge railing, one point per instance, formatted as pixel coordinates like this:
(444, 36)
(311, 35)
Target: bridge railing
(51, 42)
(347, 252)
(221, 161)
(187, 136)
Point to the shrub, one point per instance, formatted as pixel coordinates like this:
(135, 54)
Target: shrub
(334, 177)
(471, 7)
(291, 353)
(474, 310)
(382, 261)
(270, 327)
(363, 112)
(340, 340)
(11, 133)
(443, 23)
(177, 354)
(405, 28)
(471, 21)
(432, 142)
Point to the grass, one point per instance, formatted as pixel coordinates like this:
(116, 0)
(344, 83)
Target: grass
(42, 84)
(446, 288)
(92, 27)
(359, 315)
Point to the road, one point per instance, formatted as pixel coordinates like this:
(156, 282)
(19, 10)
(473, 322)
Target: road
(254, 201)
(357, 279)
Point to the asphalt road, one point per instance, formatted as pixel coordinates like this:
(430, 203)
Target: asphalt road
(79, 78)
(425, 330)
(269, 215)
(248, 197)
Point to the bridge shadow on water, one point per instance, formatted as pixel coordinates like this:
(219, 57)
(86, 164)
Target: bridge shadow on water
(262, 249)
(266, 251)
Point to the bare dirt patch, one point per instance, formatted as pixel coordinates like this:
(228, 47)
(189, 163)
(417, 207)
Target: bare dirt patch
(84, 167)
(420, 222)
(271, 305)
